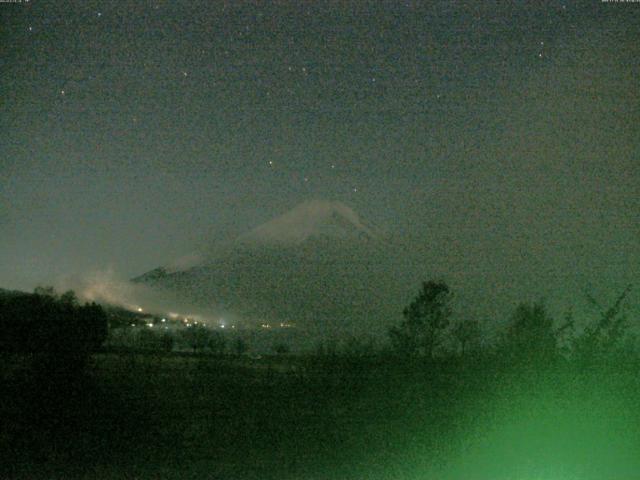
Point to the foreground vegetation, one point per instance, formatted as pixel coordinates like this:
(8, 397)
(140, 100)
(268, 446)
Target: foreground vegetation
(540, 402)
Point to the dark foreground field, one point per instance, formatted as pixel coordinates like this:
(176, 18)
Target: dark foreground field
(189, 417)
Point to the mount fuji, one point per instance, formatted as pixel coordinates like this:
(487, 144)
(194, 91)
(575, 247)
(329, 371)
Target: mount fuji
(311, 220)
(318, 266)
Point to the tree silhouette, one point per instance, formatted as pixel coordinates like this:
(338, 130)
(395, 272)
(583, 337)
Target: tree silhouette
(466, 332)
(56, 332)
(425, 320)
(166, 342)
(45, 291)
(605, 337)
(216, 343)
(530, 336)
(196, 336)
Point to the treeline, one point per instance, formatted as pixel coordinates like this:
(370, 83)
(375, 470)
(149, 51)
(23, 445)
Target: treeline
(53, 329)
(429, 330)
(441, 397)
(49, 324)
(531, 337)
(195, 338)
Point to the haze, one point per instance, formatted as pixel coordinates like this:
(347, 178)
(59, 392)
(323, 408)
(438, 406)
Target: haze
(498, 142)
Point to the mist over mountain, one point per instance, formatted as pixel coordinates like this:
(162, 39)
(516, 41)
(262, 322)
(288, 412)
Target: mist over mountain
(318, 266)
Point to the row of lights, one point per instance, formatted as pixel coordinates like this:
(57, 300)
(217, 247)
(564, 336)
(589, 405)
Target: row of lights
(282, 325)
(187, 323)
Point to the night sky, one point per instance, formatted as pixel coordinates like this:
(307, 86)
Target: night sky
(498, 140)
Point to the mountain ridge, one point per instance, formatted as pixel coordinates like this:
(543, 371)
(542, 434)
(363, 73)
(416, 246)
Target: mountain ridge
(319, 265)
(313, 218)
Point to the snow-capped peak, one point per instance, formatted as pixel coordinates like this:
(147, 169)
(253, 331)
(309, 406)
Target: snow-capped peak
(314, 218)
(184, 263)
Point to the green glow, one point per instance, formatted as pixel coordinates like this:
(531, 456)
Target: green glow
(561, 426)
(564, 428)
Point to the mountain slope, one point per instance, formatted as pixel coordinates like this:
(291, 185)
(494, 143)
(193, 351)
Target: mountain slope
(312, 219)
(318, 266)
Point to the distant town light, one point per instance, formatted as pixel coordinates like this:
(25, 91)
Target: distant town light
(139, 309)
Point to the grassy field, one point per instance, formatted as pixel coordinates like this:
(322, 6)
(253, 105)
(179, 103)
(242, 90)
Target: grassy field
(184, 416)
